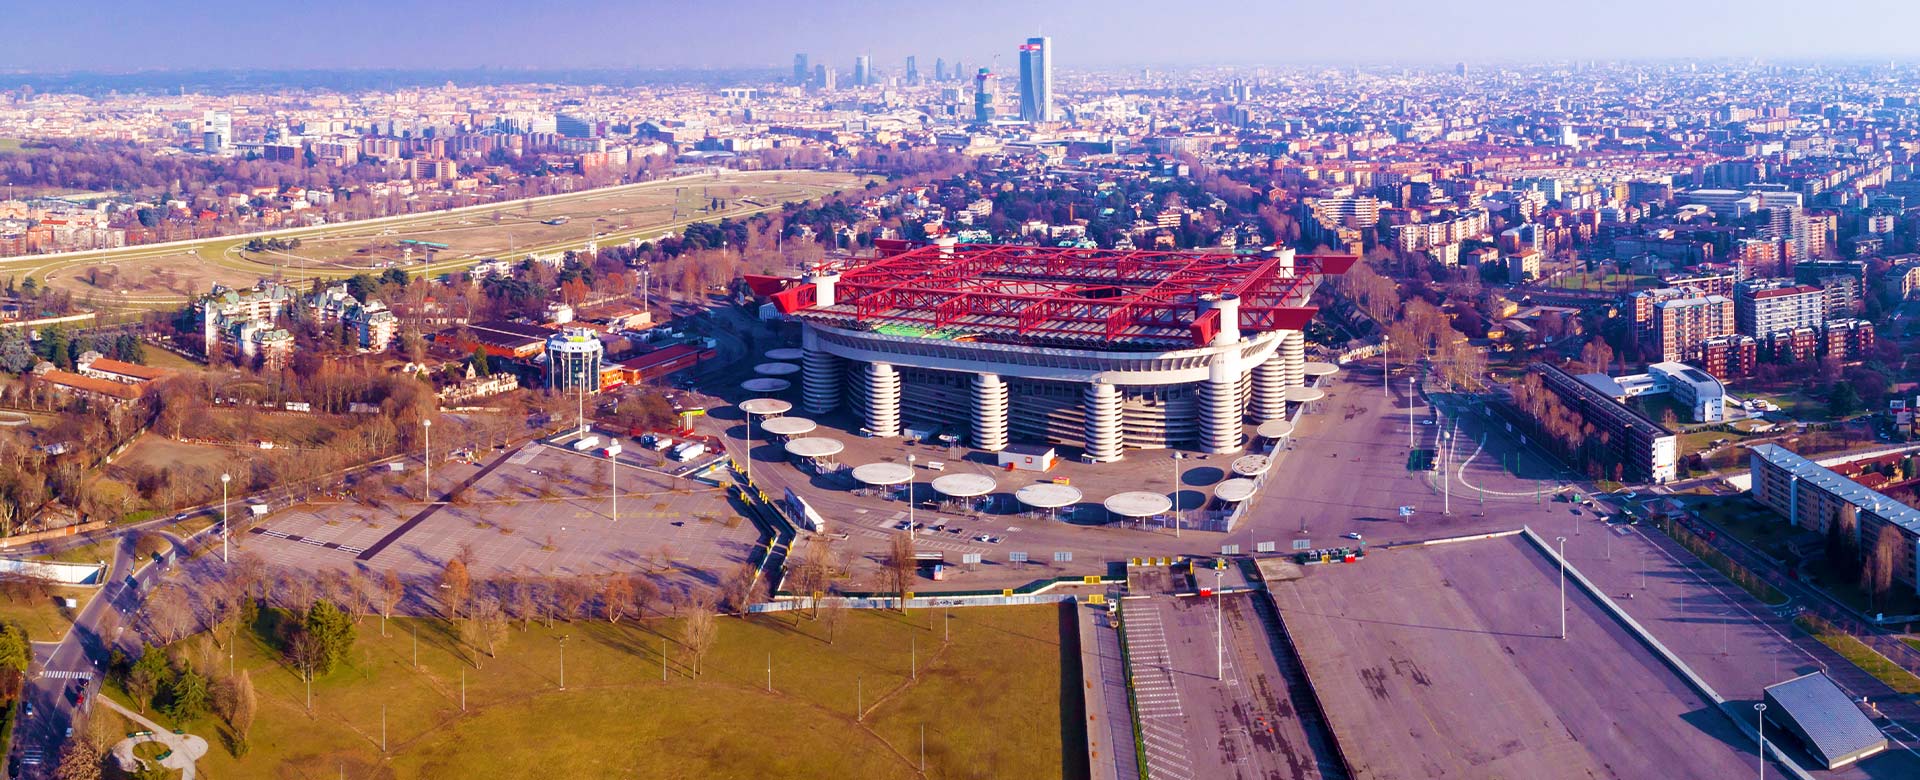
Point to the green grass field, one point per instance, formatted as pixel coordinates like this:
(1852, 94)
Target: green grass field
(46, 620)
(1861, 655)
(990, 701)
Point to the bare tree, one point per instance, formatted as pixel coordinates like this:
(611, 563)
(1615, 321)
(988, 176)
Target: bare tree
(391, 592)
(1877, 574)
(571, 595)
(520, 601)
(169, 614)
(457, 584)
(902, 566)
(642, 592)
(698, 631)
(245, 706)
(615, 592)
(736, 589)
(832, 613)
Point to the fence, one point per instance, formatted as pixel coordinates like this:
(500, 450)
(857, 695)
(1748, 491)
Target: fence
(63, 573)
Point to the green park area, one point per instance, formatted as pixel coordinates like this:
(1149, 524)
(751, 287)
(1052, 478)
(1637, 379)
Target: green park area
(850, 695)
(1605, 282)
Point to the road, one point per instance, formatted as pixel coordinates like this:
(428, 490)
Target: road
(75, 663)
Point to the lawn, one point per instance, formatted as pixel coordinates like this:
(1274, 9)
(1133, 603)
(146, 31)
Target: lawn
(1607, 283)
(10, 145)
(990, 701)
(45, 619)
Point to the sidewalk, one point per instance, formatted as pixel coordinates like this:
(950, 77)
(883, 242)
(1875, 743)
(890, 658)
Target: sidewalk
(1110, 747)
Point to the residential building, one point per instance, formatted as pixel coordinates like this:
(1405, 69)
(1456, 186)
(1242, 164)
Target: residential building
(1762, 306)
(1681, 324)
(1811, 496)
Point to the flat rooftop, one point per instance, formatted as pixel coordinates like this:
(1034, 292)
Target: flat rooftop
(1446, 662)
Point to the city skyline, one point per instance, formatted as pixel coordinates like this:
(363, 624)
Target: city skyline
(757, 34)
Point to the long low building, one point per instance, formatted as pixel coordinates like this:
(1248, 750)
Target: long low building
(1645, 449)
(1104, 350)
(1811, 496)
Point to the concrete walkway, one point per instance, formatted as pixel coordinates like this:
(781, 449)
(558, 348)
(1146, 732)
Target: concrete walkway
(186, 748)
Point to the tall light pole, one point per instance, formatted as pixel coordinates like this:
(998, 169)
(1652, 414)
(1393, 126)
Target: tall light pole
(1410, 425)
(613, 477)
(1760, 721)
(1446, 476)
(426, 457)
(749, 448)
(1176, 493)
(225, 519)
(1563, 585)
(563, 661)
(1219, 622)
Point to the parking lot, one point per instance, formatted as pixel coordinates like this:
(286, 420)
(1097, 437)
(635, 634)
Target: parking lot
(1213, 710)
(542, 510)
(1446, 661)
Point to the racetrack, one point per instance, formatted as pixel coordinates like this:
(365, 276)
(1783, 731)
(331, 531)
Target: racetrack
(165, 275)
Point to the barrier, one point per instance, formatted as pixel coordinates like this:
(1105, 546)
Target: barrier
(56, 533)
(63, 573)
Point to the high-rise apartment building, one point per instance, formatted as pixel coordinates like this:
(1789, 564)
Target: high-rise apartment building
(939, 69)
(823, 77)
(1681, 324)
(1762, 306)
(1036, 80)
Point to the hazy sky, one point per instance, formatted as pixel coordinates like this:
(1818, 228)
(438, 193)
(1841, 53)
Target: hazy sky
(250, 34)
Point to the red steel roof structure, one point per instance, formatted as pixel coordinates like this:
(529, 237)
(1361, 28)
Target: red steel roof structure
(1084, 298)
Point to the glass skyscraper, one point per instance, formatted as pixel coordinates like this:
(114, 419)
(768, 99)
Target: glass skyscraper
(1036, 80)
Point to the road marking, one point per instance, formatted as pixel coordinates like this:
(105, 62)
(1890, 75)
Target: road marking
(62, 675)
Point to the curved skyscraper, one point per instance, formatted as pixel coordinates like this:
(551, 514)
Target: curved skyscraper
(1036, 80)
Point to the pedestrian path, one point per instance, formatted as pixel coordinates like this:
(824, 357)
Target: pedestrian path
(182, 749)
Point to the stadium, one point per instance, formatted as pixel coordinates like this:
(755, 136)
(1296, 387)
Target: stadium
(1103, 350)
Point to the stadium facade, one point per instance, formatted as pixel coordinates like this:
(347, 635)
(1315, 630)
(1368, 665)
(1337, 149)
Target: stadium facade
(1103, 350)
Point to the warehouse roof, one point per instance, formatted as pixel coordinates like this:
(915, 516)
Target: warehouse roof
(1825, 718)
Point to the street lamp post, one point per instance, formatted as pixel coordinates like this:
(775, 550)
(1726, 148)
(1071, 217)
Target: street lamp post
(749, 449)
(225, 519)
(563, 661)
(426, 457)
(1760, 721)
(1219, 623)
(1410, 425)
(913, 529)
(1176, 493)
(613, 480)
(1563, 585)
(1446, 476)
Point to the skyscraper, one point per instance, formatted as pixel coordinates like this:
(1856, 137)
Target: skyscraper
(983, 97)
(862, 70)
(940, 69)
(800, 69)
(1036, 80)
(913, 72)
(823, 77)
(216, 131)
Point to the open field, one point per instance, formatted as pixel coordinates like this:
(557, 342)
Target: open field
(166, 275)
(10, 145)
(45, 619)
(984, 717)
(1447, 662)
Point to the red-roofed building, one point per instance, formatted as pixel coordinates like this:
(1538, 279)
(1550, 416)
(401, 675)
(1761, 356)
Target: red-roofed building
(663, 362)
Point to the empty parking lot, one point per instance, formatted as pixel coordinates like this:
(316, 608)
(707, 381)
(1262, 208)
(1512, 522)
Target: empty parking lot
(1446, 662)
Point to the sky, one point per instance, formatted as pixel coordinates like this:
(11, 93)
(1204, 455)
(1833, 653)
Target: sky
(120, 35)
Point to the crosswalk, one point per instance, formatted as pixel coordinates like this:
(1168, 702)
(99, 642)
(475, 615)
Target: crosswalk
(64, 675)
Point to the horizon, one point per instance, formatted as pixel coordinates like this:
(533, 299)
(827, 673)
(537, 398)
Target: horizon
(754, 34)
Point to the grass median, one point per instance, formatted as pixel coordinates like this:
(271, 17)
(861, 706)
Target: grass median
(1859, 654)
